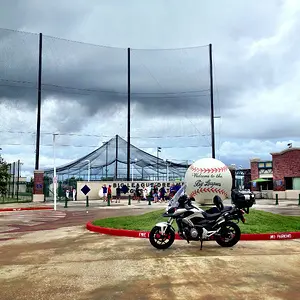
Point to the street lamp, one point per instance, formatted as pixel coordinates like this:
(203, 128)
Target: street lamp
(21, 164)
(167, 163)
(89, 169)
(106, 157)
(158, 151)
(135, 160)
(54, 172)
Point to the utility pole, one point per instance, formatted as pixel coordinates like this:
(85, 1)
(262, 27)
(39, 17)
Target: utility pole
(212, 117)
(18, 180)
(128, 115)
(157, 170)
(38, 123)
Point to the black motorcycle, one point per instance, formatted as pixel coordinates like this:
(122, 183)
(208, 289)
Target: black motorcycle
(194, 224)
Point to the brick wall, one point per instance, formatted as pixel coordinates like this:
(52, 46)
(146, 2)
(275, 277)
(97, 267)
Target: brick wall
(232, 171)
(254, 174)
(285, 164)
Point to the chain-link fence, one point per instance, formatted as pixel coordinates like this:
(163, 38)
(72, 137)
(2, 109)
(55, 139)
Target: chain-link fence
(18, 188)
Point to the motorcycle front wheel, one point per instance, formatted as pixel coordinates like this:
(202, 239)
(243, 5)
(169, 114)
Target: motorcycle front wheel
(160, 241)
(230, 234)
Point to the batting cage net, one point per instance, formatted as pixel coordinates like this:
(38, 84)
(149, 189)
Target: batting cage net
(109, 162)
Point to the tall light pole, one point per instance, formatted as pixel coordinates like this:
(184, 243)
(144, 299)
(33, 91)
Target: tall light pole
(54, 172)
(158, 151)
(89, 169)
(135, 160)
(106, 157)
(167, 169)
(21, 164)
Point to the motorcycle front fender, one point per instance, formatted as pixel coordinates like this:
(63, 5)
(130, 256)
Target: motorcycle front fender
(163, 227)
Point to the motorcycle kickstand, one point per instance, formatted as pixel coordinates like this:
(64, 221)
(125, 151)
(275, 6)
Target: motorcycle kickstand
(201, 243)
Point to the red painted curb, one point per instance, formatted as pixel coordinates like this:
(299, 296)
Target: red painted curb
(145, 234)
(24, 208)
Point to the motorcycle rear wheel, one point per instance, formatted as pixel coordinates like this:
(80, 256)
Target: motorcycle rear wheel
(166, 240)
(234, 236)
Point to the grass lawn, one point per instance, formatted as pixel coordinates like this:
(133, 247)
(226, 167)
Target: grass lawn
(256, 222)
(5, 200)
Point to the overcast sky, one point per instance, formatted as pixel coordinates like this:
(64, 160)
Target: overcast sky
(256, 48)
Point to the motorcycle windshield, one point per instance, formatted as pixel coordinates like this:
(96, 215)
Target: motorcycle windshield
(174, 201)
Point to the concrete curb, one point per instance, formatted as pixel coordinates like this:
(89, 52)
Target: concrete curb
(145, 234)
(25, 208)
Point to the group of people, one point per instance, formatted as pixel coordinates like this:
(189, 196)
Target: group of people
(71, 191)
(158, 194)
(107, 193)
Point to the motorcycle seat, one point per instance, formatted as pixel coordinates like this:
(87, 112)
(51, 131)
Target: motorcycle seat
(211, 216)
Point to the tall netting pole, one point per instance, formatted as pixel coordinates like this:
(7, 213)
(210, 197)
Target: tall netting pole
(128, 117)
(106, 159)
(38, 125)
(212, 104)
(117, 150)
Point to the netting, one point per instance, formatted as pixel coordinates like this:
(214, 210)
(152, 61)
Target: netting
(84, 100)
(109, 162)
(87, 81)
(170, 96)
(18, 90)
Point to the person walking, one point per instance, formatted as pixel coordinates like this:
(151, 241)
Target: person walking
(138, 193)
(109, 193)
(104, 189)
(162, 194)
(118, 194)
(155, 194)
(74, 194)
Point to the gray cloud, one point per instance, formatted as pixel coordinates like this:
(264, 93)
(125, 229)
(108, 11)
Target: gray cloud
(82, 72)
(93, 79)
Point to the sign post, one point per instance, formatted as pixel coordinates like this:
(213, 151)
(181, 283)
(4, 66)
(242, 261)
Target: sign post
(86, 190)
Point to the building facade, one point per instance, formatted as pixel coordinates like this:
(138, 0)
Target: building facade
(281, 175)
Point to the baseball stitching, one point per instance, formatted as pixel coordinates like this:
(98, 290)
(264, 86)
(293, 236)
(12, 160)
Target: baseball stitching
(208, 190)
(209, 170)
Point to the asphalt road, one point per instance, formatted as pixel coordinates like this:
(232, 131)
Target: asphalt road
(72, 263)
(17, 223)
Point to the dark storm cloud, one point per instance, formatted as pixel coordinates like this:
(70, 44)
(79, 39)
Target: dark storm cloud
(96, 76)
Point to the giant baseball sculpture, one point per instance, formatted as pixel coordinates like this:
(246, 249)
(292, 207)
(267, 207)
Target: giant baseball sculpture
(206, 178)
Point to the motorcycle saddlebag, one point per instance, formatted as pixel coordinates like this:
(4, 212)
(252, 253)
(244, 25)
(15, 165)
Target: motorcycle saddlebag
(243, 199)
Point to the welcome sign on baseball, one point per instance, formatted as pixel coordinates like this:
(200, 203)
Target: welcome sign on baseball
(206, 178)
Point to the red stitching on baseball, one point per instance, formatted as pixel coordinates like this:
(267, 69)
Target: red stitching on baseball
(207, 170)
(206, 190)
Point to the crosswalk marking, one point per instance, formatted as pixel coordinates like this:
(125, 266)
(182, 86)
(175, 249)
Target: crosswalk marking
(11, 220)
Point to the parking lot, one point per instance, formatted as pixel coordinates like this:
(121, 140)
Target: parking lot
(73, 263)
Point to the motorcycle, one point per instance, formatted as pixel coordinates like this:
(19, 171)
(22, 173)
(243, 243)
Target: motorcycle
(194, 224)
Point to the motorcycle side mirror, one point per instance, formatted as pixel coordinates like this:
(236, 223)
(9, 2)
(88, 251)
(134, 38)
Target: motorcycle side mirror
(192, 199)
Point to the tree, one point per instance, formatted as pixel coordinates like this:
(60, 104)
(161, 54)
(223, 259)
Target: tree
(29, 185)
(4, 177)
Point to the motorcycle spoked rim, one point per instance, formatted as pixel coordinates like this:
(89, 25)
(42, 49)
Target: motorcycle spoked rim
(232, 234)
(165, 238)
